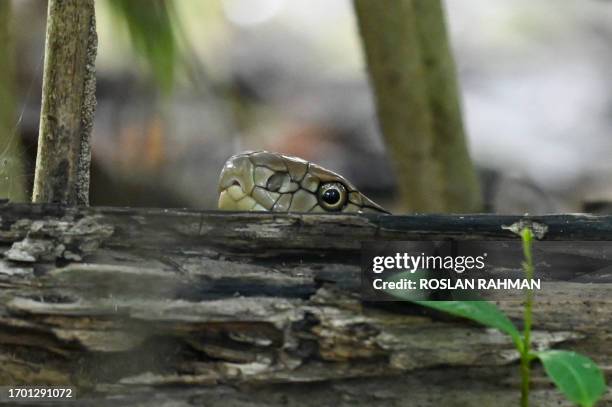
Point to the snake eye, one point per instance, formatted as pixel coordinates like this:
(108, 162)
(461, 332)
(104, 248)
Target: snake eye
(332, 196)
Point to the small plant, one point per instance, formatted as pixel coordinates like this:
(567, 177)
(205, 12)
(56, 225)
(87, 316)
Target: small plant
(575, 375)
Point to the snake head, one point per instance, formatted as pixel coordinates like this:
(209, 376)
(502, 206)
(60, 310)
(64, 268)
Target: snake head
(264, 181)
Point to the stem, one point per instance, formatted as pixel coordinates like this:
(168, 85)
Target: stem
(68, 103)
(412, 72)
(525, 377)
(527, 237)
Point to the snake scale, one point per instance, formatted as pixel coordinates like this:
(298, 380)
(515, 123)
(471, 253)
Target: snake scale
(265, 181)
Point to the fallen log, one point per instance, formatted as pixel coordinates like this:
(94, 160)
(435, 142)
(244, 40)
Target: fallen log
(184, 307)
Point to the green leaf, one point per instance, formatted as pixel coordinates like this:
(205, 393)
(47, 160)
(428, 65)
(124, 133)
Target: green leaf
(152, 25)
(483, 312)
(409, 295)
(577, 376)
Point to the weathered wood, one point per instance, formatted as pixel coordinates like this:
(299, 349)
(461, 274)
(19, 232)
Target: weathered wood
(182, 308)
(68, 104)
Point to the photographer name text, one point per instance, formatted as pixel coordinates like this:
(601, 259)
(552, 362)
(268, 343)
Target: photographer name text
(459, 284)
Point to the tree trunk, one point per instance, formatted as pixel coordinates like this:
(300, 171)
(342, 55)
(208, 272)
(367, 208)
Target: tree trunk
(12, 180)
(461, 189)
(68, 104)
(140, 307)
(413, 78)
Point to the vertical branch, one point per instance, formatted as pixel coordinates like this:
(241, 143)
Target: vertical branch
(88, 110)
(391, 45)
(68, 105)
(11, 165)
(461, 189)
(412, 74)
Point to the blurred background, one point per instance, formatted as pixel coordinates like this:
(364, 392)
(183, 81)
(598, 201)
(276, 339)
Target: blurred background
(289, 76)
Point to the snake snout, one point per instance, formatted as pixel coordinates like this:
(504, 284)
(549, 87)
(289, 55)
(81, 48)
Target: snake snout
(236, 185)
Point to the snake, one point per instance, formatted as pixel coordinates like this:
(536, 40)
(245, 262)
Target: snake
(273, 182)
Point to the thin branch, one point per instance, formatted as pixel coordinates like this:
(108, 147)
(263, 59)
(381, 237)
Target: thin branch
(68, 105)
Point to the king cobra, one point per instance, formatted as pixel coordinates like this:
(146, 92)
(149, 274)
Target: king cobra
(265, 181)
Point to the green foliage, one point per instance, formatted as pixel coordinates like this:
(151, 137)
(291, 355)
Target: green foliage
(12, 185)
(575, 375)
(412, 295)
(482, 312)
(152, 25)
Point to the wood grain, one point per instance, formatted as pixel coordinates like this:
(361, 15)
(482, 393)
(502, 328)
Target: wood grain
(184, 307)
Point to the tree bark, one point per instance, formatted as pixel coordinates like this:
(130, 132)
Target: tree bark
(461, 189)
(413, 78)
(12, 180)
(140, 307)
(68, 104)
